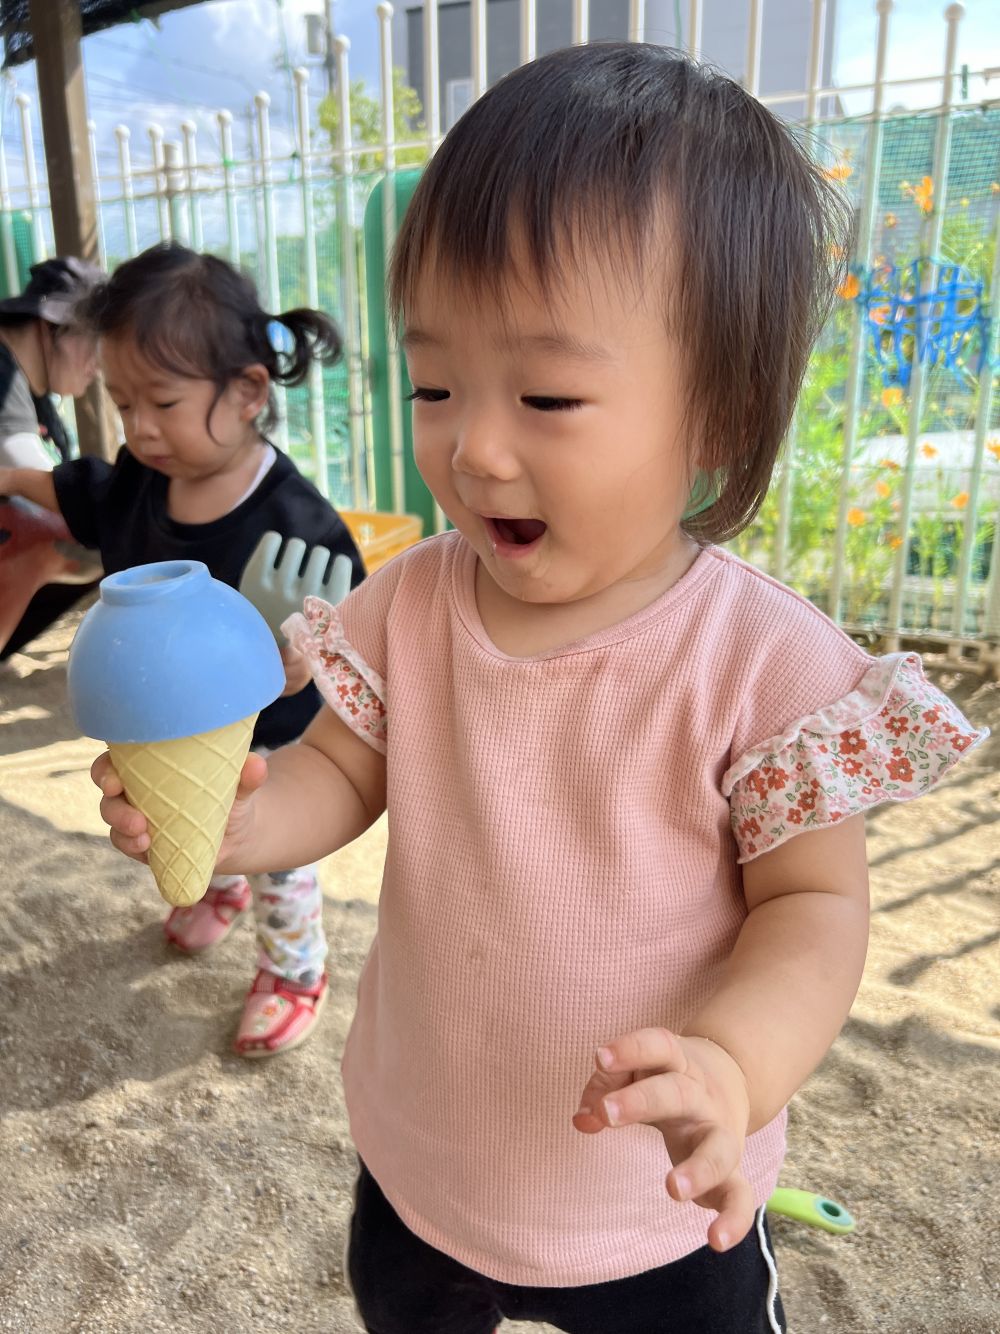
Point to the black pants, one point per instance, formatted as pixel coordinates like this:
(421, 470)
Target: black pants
(403, 1286)
(43, 610)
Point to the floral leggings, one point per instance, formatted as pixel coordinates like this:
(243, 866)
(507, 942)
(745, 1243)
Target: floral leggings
(288, 908)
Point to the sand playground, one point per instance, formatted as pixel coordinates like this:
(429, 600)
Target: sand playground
(153, 1181)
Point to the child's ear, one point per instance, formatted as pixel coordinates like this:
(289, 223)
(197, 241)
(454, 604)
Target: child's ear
(252, 386)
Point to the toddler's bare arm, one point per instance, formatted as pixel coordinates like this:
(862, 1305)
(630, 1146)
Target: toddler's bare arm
(791, 980)
(784, 994)
(321, 793)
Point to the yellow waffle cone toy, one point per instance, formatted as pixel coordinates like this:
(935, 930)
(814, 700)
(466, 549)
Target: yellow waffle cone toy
(185, 789)
(171, 668)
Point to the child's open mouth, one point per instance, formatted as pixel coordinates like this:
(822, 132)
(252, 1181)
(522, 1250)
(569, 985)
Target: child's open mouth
(518, 535)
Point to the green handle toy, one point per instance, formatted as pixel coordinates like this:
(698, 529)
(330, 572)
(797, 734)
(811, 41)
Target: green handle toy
(277, 585)
(816, 1210)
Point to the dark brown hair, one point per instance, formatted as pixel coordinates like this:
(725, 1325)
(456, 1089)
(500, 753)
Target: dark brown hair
(594, 146)
(196, 316)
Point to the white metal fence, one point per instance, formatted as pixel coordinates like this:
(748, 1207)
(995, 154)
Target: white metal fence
(928, 561)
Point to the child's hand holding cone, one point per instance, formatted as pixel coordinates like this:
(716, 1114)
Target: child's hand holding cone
(130, 829)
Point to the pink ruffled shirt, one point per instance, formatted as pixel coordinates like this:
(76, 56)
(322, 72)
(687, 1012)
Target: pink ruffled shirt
(565, 833)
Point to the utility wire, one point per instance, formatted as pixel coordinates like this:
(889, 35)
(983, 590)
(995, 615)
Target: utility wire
(173, 60)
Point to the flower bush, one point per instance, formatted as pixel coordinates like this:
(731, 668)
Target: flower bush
(875, 485)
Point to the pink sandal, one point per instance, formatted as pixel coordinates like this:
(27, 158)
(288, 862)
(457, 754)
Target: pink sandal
(278, 1015)
(196, 929)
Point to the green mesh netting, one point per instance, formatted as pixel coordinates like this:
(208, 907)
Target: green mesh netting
(956, 477)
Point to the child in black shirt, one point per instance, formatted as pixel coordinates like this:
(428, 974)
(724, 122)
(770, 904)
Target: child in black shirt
(188, 358)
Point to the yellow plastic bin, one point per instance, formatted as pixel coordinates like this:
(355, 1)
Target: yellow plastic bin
(382, 536)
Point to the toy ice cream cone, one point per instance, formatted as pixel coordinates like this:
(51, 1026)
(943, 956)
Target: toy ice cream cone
(171, 668)
(184, 788)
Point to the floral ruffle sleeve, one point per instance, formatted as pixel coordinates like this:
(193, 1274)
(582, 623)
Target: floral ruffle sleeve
(890, 739)
(352, 688)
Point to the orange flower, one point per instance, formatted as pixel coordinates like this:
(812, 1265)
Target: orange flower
(856, 517)
(883, 489)
(890, 219)
(838, 173)
(892, 396)
(995, 187)
(880, 314)
(961, 500)
(923, 195)
(994, 447)
(895, 542)
(849, 288)
(928, 450)
(891, 464)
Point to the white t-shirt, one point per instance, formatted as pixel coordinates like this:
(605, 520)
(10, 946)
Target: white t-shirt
(24, 450)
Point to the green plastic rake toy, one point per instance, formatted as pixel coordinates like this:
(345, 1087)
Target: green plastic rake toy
(816, 1210)
(277, 578)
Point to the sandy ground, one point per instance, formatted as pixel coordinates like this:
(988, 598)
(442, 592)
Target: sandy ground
(153, 1181)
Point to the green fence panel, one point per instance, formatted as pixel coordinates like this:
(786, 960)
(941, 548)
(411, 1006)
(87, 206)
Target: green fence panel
(18, 226)
(416, 498)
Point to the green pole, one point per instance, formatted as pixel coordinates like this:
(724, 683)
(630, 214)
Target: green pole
(416, 498)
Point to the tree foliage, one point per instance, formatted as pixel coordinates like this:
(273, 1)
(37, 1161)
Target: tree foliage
(367, 124)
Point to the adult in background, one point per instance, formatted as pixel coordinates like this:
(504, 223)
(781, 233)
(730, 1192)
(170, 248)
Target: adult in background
(43, 352)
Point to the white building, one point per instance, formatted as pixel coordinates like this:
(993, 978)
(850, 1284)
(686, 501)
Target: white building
(784, 55)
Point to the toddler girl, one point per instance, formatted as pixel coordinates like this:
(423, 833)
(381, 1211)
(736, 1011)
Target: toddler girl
(625, 907)
(188, 359)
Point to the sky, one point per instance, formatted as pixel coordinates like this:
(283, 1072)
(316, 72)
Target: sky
(219, 53)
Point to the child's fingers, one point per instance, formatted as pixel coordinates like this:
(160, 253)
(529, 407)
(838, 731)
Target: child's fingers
(655, 1099)
(711, 1177)
(253, 776)
(617, 1063)
(736, 1215)
(587, 1123)
(587, 1117)
(645, 1049)
(714, 1161)
(129, 832)
(297, 672)
(135, 846)
(124, 820)
(129, 828)
(103, 773)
